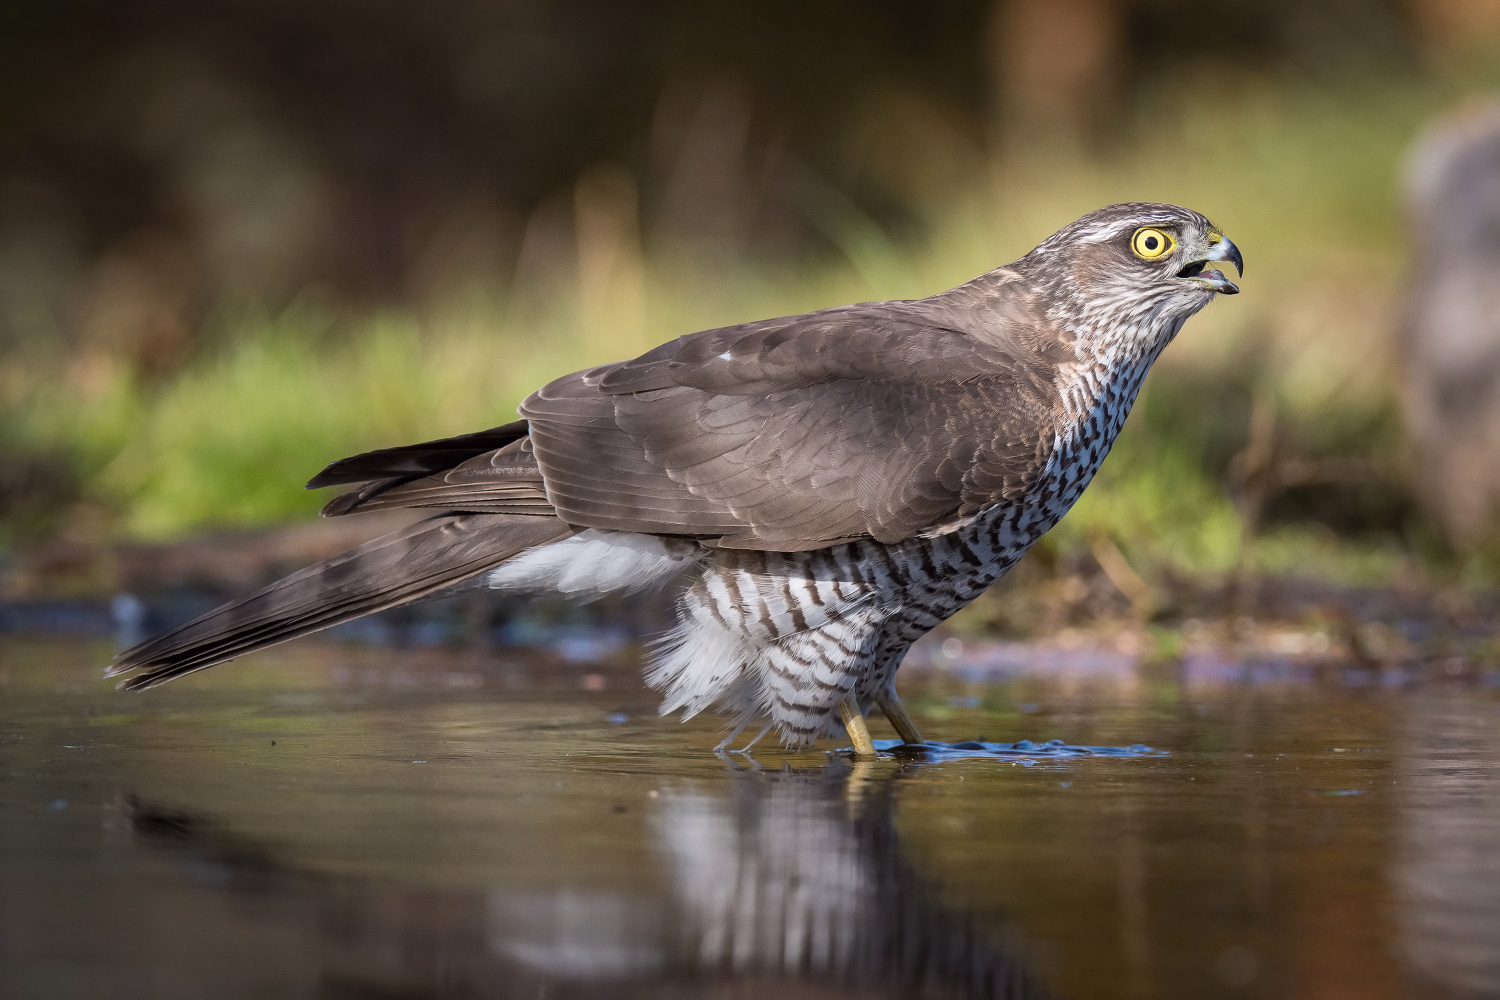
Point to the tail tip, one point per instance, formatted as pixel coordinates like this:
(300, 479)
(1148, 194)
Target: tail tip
(135, 682)
(131, 679)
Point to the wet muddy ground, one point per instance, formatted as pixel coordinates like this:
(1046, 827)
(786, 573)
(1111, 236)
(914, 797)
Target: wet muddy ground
(339, 820)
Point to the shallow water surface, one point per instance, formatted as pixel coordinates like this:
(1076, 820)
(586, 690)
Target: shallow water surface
(327, 821)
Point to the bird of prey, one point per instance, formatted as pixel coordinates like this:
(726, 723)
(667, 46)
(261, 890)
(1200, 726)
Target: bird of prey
(833, 484)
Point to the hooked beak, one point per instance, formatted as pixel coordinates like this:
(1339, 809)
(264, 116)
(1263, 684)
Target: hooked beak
(1220, 248)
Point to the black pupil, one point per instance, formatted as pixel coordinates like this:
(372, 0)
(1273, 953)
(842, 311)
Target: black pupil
(1150, 242)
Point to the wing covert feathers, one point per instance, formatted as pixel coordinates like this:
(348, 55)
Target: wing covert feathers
(393, 569)
(879, 420)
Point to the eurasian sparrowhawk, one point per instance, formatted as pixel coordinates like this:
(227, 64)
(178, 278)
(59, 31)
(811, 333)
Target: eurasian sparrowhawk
(832, 485)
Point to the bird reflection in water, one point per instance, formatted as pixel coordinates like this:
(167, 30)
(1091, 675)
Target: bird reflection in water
(800, 874)
(787, 878)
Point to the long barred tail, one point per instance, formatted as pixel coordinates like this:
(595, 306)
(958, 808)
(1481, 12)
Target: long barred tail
(393, 569)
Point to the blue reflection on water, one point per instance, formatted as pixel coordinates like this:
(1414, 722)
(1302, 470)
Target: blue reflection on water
(1022, 751)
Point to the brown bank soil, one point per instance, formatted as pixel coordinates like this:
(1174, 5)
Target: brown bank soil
(1074, 614)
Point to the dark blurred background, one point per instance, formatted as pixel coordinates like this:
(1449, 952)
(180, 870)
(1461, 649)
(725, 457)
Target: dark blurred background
(183, 153)
(241, 239)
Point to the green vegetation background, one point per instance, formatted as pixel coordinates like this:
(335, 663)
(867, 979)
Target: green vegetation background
(1305, 179)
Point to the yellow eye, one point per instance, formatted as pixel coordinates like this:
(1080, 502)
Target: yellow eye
(1150, 244)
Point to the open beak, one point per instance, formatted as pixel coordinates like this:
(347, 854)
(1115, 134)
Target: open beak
(1199, 273)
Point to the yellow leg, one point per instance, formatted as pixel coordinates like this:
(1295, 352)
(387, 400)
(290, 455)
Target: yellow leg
(859, 733)
(896, 712)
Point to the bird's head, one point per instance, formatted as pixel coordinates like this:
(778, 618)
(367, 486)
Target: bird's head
(1141, 261)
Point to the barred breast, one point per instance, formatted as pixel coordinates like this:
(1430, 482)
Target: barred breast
(787, 636)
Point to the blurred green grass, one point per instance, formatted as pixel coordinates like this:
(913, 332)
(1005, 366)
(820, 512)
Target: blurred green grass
(1303, 177)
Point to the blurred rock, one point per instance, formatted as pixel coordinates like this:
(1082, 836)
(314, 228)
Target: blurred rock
(1451, 334)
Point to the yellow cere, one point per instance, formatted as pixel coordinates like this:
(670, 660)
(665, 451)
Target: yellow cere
(1150, 243)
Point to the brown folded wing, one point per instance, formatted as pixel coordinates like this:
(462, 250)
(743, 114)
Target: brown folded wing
(876, 421)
